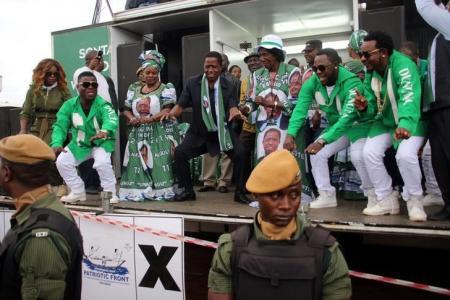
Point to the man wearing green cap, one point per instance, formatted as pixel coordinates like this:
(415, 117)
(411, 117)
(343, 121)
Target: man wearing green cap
(334, 88)
(278, 256)
(40, 256)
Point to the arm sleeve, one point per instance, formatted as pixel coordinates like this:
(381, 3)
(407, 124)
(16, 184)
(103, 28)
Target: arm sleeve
(233, 101)
(168, 96)
(220, 274)
(186, 97)
(43, 266)
(409, 91)
(61, 126)
(437, 17)
(348, 115)
(27, 108)
(336, 280)
(300, 112)
(110, 119)
(243, 92)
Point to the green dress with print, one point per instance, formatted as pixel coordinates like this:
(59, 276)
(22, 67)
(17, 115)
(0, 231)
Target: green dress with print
(147, 166)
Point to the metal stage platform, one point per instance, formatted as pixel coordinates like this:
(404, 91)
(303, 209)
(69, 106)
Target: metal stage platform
(218, 209)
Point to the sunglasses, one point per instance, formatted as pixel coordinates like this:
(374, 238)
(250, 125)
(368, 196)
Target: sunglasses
(320, 68)
(367, 54)
(49, 74)
(87, 84)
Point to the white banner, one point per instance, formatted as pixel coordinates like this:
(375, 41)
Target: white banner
(122, 263)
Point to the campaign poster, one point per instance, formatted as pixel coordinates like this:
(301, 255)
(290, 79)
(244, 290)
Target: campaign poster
(108, 262)
(159, 260)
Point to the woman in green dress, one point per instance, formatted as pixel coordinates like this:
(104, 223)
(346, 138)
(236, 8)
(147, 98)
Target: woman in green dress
(147, 173)
(46, 94)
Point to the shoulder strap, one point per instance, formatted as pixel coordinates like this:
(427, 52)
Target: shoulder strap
(54, 221)
(319, 237)
(240, 238)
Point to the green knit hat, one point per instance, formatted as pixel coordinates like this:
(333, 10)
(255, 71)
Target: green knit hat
(356, 39)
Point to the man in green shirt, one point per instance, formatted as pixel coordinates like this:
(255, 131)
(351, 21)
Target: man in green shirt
(333, 87)
(40, 256)
(393, 92)
(93, 123)
(278, 256)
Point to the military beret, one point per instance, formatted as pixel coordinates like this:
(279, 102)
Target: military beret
(275, 172)
(25, 149)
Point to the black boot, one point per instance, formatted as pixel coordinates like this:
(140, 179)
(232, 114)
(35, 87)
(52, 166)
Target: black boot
(241, 197)
(441, 215)
(186, 195)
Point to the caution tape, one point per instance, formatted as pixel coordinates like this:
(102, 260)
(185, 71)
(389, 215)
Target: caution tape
(203, 243)
(405, 283)
(161, 233)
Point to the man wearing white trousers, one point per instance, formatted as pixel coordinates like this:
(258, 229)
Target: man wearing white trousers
(433, 193)
(334, 89)
(92, 122)
(393, 93)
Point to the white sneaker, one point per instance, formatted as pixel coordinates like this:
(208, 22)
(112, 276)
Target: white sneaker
(432, 199)
(325, 199)
(371, 198)
(114, 199)
(72, 197)
(415, 209)
(388, 205)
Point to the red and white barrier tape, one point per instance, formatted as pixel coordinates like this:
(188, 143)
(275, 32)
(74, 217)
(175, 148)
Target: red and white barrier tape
(410, 284)
(199, 242)
(108, 221)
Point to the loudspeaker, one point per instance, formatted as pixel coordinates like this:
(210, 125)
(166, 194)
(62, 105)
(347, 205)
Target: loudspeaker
(9, 121)
(389, 19)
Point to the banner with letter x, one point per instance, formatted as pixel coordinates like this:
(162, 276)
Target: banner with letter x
(125, 264)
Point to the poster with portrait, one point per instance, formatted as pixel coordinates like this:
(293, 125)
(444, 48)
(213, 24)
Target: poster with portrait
(271, 123)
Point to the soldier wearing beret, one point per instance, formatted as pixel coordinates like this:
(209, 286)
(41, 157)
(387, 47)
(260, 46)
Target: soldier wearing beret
(40, 256)
(278, 256)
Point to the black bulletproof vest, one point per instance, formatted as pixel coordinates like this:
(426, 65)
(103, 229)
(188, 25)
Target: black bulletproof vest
(442, 83)
(270, 270)
(10, 281)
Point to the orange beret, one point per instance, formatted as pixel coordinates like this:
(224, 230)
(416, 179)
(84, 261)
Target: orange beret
(275, 172)
(25, 149)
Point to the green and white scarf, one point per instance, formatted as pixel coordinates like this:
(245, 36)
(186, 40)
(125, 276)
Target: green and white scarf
(222, 130)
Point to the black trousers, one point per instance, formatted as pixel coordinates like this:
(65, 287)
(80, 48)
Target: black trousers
(89, 175)
(439, 132)
(194, 146)
(247, 140)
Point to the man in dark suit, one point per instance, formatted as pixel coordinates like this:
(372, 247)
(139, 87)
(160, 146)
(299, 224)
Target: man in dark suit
(214, 106)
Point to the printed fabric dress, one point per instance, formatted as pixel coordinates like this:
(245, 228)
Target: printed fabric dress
(147, 165)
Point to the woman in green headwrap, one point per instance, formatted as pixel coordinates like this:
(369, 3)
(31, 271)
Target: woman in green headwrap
(147, 163)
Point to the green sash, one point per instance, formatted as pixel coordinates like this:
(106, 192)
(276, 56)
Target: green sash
(222, 130)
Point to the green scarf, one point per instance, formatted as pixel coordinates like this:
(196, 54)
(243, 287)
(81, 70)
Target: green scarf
(223, 133)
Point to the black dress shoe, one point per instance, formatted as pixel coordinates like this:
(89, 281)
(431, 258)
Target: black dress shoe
(184, 196)
(206, 188)
(442, 215)
(92, 190)
(223, 189)
(242, 198)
